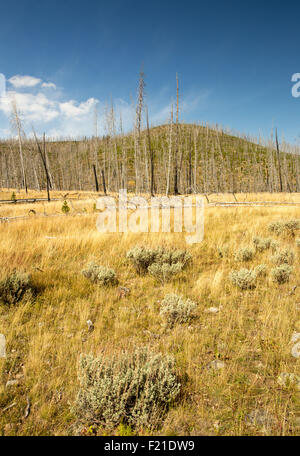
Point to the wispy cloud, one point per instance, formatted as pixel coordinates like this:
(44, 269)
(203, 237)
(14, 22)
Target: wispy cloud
(195, 100)
(49, 85)
(19, 81)
(188, 104)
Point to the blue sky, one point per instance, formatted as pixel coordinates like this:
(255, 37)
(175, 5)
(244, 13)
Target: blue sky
(234, 59)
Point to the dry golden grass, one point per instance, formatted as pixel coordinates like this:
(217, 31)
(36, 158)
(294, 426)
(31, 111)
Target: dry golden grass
(251, 333)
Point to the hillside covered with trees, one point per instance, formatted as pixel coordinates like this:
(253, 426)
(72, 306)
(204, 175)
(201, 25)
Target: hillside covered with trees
(173, 158)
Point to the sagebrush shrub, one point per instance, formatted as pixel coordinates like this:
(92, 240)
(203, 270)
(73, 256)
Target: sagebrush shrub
(262, 244)
(298, 242)
(291, 226)
(274, 245)
(162, 263)
(164, 272)
(282, 273)
(276, 227)
(100, 274)
(285, 256)
(15, 287)
(165, 256)
(174, 309)
(261, 270)
(244, 254)
(244, 278)
(135, 389)
(288, 227)
(142, 258)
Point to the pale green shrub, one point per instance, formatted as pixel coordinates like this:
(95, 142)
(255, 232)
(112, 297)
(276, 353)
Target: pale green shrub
(244, 278)
(244, 254)
(274, 245)
(276, 227)
(160, 262)
(261, 270)
(262, 244)
(285, 256)
(174, 309)
(164, 256)
(298, 242)
(292, 226)
(142, 258)
(134, 389)
(288, 227)
(15, 287)
(164, 272)
(100, 274)
(282, 273)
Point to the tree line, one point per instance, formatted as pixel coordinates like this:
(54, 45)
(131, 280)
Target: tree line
(175, 158)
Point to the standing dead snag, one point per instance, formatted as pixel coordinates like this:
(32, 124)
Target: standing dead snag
(284, 167)
(103, 181)
(195, 160)
(95, 142)
(151, 152)
(189, 189)
(43, 157)
(170, 151)
(279, 164)
(18, 125)
(177, 140)
(124, 157)
(140, 102)
(96, 180)
(138, 126)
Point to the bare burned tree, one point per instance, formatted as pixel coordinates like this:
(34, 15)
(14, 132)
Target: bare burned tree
(177, 140)
(170, 151)
(138, 126)
(279, 162)
(43, 157)
(17, 124)
(151, 154)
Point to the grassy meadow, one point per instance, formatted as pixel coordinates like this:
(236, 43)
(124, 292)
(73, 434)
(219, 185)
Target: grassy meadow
(250, 333)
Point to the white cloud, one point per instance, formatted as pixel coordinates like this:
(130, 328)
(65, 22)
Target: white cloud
(73, 109)
(49, 85)
(19, 81)
(33, 108)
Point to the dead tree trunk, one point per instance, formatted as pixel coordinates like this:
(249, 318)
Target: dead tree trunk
(151, 152)
(103, 181)
(43, 157)
(138, 126)
(18, 125)
(190, 168)
(170, 151)
(279, 163)
(177, 140)
(96, 180)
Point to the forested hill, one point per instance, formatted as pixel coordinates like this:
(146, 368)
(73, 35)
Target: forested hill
(170, 158)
